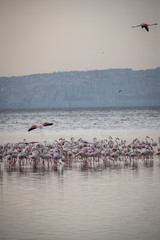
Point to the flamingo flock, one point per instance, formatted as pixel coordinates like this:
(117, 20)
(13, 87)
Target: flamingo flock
(61, 153)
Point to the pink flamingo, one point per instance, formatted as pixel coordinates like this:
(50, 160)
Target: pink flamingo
(144, 25)
(40, 126)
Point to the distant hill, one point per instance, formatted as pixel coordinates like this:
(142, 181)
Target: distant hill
(98, 88)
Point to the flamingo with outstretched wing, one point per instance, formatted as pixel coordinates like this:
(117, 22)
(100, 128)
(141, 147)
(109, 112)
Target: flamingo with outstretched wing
(39, 126)
(144, 25)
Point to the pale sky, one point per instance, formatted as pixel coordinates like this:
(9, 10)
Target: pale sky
(44, 36)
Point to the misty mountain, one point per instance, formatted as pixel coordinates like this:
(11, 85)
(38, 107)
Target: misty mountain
(97, 88)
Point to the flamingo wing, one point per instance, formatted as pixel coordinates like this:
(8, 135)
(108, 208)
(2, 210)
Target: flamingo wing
(47, 124)
(152, 24)
(146, 27)
(32, 127)
(136, 26)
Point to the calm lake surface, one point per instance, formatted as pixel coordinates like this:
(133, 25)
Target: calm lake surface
(74, 202)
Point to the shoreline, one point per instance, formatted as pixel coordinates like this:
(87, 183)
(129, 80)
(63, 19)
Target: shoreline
(88, 134)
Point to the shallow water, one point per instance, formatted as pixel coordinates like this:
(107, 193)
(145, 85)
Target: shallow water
(125, 123)
(76, 202)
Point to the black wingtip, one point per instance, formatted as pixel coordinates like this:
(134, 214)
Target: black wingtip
(47, 124)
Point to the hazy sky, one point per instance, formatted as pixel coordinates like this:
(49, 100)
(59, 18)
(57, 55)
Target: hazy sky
(43, 36)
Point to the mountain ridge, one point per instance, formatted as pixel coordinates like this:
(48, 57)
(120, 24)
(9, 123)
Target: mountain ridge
(93, 88)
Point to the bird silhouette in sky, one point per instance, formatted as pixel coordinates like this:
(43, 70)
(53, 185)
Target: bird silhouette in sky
(144, 25)
(120, 90)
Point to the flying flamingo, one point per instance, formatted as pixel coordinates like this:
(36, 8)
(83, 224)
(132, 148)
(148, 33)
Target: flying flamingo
(39, 126)
(144, 25)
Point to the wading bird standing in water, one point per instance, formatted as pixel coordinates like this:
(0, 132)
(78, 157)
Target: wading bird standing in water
(39, 126)
(144, 25)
